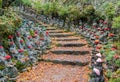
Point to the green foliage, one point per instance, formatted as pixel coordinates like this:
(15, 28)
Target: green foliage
(88, 10)
(74, 12)
(0, 3)
(117, 62)
(38, 6)
(116, 22)
(110, 11)
(109, 73)
(27, 2)
(17, 3)
(63, 11)
(2, 66)
(50, 8)
(20, 66)
(9, 22)
(46, 8)
(115, 77)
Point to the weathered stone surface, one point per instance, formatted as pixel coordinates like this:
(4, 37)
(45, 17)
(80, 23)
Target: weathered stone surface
(71, 51)
(55, 31)
(50, 29)
(61, 34)
(71, 44)
(67, 59)
(67, 39)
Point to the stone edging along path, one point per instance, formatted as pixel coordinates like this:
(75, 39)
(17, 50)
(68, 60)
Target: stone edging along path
(67, 61)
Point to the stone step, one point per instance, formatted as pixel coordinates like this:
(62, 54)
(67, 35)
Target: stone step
(71, 50)
(71, 43)
(67, 39)
(67, 59)
(61, 34)
(50, 29)
(55, 31)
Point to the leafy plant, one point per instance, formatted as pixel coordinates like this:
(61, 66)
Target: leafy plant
(38, 6)
(109, 74)
(0, 3)
(2, 66)
(116, 22)
(117, 62)
(63, 12)
(115, 76)
(20, 66)
(74, 12)
(27, 2)
(110, 11)
(9, 22)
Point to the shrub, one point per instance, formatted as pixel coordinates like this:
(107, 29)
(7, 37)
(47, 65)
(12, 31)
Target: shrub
(74, 12)
(110, 11)
(116, 22)
(63, 12)
(0, 3)
(27, 2)
(115, 77)
(38, 6)
(9, 22)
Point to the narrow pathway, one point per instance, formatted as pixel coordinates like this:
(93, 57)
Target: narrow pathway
(66, 61)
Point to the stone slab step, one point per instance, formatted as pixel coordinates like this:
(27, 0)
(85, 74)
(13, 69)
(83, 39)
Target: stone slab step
(61, 34)
(67, 39)
(71, 43)
(50, 28)
(55, 31)
(67, 59)
(71, 50)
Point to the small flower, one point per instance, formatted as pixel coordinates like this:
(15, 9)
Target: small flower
(47, 33)
(113, 49)
(35, 35)
(106, 29)
(116, 56)
(36, 31)
(96, 36)
(99, 60)
(7, 57)
(29, 37)
(41, 38)
(29, 46)
(98, 55)
(21, 41)
(97, 71)
(101, 21)
(20, 50)
(11, 43)
(98, 28)
(10, 37)
(111, 35)
(1, 46)
(97, 41)
(105, 22)
(98, 47)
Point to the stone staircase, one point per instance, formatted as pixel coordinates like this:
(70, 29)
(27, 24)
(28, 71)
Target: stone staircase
(66, 61)
(68, 49)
